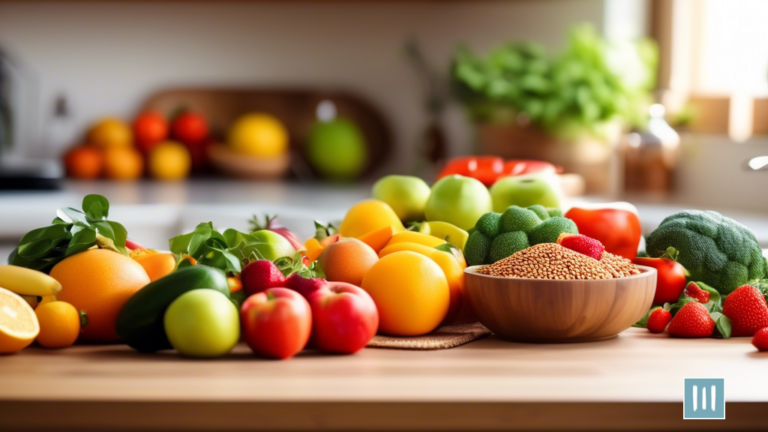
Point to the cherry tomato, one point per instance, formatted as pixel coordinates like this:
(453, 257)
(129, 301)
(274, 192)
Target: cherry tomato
(149, 129)
(190, 128)
(670, 278)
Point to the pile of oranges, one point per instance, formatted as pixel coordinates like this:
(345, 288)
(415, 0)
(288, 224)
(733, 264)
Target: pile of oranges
(415, 286)
(117, 151)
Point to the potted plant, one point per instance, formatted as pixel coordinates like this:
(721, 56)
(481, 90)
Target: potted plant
(568, 108)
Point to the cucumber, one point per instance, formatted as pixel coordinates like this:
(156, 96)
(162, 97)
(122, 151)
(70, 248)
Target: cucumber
(140, 323)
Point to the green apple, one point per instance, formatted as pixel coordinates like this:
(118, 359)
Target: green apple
(407, 195)
(202, 323)
(269, 245)
(336, 149)
(458, 200)
(523, 192)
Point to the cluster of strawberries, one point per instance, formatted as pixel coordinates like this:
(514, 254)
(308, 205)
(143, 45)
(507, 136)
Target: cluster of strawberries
(746, 309)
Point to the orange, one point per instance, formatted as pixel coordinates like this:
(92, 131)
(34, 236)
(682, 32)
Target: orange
(410, 292)
(452, 269)
(110, 132)
(367, 216)
(84, 163)
(155, 264)
(99, 282)
(59, 324)
(378, 238)
(18, 323)
(169, 161)
(415, 237)
(347, 261)
(123, 163)
(314, 248)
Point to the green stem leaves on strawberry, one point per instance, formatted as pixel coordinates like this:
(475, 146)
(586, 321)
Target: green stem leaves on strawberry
(295, 264)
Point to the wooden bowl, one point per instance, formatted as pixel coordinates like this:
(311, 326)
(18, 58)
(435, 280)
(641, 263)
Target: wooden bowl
(553, 311)
(244, 166)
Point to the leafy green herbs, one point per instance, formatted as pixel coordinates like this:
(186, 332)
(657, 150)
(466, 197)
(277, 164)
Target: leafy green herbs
(72, 231)
(579, 91)
(231, 250)
(227, 251)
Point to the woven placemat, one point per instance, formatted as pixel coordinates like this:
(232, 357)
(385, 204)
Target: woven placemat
(445, 337)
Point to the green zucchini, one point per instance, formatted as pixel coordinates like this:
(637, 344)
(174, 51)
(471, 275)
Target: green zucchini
(140, 323)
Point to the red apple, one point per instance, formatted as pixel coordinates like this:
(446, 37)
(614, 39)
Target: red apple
(261, 275)
(277, 323)
(344, 318)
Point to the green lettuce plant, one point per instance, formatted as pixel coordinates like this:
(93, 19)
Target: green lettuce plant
(578, 91)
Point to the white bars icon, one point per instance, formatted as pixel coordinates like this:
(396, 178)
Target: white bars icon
(713, 398)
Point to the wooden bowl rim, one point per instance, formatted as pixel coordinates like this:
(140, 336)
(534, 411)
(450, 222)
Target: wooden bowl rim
(645, 272)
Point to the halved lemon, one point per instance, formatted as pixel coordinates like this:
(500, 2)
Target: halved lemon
(18, 323)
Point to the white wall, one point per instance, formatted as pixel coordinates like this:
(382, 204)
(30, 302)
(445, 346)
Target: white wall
(108, 57)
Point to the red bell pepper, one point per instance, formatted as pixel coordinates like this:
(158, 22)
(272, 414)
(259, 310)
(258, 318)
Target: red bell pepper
(488, 169)
(615, 225)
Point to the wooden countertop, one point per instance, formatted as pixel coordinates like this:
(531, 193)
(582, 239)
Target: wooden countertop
(633, 381)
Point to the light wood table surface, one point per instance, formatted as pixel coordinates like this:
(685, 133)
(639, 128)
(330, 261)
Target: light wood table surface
(634, 381)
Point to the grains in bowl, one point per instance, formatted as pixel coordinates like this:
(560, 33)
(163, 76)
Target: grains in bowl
(552, 261)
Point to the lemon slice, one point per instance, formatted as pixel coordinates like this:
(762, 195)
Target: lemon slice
(18, 323)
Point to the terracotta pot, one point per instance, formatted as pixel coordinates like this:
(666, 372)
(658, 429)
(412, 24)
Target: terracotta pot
(592, 158)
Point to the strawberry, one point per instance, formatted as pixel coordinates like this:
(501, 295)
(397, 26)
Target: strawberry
(658, 320)
(260, 275)
(583, 245)
(693, 290)
(692, 321)
(747, 310)
(760, 341)
(304, 286)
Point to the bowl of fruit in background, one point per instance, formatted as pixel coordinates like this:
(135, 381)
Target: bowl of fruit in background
(549, 294)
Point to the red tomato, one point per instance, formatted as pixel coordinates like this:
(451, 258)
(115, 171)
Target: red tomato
(344, 318)
(276, 323)
(190, 128)
(149, 129)
(670, 278)
(617, 229)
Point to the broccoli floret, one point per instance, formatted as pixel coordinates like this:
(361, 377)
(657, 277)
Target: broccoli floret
(549, 230)
(507, 244)
(518, 219)
(540, 211)
(477, 248)
(554, 211)
(714, 249)
(488, 224)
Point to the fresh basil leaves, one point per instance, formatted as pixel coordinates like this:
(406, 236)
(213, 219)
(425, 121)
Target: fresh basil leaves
(72, 231)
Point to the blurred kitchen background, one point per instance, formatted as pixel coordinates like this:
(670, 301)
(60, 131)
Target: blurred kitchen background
(181, 112)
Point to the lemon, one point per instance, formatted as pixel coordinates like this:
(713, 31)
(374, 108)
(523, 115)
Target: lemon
(110, 132)
(259, 135)
(18, 323)
(169, 161)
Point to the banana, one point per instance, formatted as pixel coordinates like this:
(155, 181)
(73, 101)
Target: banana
(26, 281)
(445, 230)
